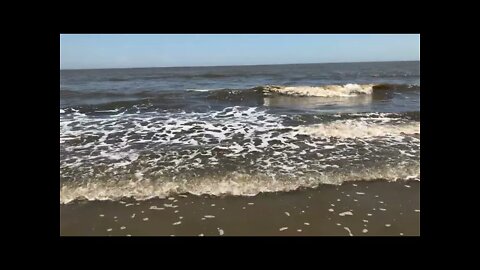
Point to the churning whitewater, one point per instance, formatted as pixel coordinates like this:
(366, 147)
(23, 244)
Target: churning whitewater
(235, 131)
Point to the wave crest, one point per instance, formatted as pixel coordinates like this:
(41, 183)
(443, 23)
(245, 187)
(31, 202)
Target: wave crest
(346, 90)
(235, 183)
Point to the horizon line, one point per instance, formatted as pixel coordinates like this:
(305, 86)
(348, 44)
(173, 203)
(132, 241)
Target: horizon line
(241, 65)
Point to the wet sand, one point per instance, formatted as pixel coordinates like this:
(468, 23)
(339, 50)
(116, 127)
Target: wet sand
(360, 209)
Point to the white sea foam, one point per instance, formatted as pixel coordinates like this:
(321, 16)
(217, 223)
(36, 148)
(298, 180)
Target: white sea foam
(347, 90)
(159, 154)
(236, 184)
(348, 230)
(347, 213)
(355, 128)
(203, 90)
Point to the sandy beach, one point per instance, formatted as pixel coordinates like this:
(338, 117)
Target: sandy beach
(376, 208)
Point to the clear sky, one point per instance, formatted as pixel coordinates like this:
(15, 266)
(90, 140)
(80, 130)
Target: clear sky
(124, 51)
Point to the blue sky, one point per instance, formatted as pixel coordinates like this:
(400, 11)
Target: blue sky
(124, 51)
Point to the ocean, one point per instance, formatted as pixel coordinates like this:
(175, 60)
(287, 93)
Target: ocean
(143, 135)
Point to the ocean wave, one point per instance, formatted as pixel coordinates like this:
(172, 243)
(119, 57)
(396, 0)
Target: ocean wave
(359, 129)
(92, 100)
(325, 91)
(235, 184)
(347, 90)
(157, 154)
(232, 121)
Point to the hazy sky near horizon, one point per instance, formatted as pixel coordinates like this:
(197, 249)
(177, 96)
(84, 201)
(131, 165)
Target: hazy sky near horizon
(80, 51)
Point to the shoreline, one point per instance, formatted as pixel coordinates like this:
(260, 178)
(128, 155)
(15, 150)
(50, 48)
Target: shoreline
(363, 208)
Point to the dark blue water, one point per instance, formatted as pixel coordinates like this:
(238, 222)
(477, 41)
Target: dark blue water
(170, 86)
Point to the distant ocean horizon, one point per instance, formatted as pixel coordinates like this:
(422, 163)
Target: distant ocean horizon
(239, 65)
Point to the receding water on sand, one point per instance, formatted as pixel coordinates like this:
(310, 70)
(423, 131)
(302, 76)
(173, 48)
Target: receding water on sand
(261, 215)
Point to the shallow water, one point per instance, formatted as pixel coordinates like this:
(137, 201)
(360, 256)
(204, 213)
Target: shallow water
(156, 132)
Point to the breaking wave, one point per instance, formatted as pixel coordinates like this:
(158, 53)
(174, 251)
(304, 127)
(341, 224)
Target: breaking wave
(236, 151)
(347, 90)
(235, 183)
